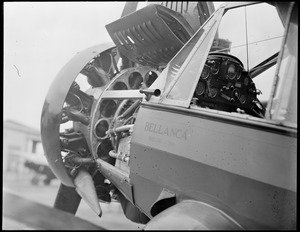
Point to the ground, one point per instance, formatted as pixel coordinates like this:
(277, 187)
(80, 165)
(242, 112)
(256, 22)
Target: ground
(112, 217)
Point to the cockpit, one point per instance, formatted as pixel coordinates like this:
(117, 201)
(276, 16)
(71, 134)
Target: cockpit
(228, 65)
(241, 50)
(225, 85)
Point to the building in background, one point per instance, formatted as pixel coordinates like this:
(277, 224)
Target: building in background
(20, 142)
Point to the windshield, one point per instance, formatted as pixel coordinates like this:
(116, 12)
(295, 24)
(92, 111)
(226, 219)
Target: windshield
(252, 34)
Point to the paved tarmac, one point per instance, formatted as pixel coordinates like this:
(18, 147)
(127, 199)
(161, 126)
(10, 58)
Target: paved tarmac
(112, 217)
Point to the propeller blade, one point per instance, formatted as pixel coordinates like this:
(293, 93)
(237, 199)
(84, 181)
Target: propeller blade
(67, 199)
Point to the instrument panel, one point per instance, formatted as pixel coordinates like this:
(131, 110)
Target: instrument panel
(225, 85)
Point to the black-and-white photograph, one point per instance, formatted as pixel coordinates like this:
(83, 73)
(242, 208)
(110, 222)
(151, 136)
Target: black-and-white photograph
(150, 115)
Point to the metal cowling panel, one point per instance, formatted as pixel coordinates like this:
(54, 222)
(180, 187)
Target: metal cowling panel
(52, 109)
(195, 13)
(150, 36)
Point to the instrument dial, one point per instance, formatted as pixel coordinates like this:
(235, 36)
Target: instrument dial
(215, 67)
(231, 71)
(200, 88)
(213, 92)
(205, 72)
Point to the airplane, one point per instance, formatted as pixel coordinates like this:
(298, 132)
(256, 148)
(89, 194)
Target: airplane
(169, 119)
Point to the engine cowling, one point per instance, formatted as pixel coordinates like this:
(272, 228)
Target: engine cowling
(90, 109)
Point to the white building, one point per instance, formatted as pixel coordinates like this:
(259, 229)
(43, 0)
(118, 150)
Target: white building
(20, 142)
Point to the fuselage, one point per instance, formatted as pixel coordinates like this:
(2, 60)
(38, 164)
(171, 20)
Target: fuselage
(246, 169)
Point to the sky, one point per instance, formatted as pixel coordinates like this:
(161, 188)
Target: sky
(39, 39)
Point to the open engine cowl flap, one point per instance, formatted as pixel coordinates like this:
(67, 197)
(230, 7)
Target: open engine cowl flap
(150, 36)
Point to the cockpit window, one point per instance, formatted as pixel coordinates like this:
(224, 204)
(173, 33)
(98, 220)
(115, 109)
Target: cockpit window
(252, 33)
(244, 38)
